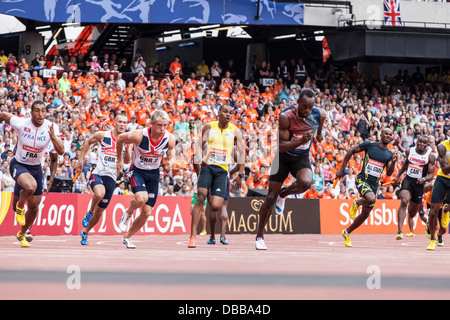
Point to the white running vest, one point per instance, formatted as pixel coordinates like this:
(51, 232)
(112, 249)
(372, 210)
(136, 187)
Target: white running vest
(417, 163)
(147, 155)
(107, 157)
(32, 141)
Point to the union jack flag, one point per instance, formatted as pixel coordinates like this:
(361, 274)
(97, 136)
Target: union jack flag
(392, 13)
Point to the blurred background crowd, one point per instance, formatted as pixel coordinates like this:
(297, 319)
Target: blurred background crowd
(84, 96)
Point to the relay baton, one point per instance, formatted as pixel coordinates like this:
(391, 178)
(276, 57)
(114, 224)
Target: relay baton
(77, 173)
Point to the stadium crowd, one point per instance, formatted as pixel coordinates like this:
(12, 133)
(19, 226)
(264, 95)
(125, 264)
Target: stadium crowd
(83, 96)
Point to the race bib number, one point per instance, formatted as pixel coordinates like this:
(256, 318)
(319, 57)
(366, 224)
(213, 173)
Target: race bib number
(110, 161)
(414, 171)
(31, 152)
(217, 156)
(374, 168)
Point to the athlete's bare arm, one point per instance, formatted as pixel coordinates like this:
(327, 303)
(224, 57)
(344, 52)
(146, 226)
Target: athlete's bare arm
(323, 117)
(390, 166)
(348, 155)
(240, 150)
(5, 116)
(96, 138)
(58, 145)
(171, 150)
(205, 134)
(443, 160)
(431, 166)
(127, 154)
(404, 166)
(53, 166)
(133, 137)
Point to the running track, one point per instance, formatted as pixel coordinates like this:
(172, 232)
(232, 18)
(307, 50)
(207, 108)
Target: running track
(162, 267)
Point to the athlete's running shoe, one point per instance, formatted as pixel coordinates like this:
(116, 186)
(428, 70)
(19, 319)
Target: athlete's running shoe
(211, 241)
(203, 233)
(127, 242)
(28, 236)
(87, 218)
(123, 223)
(20, 215)
(440, 241)
(224, 241)
(23, 241)
(399, 236)
(445, 217)
(259, 244)
(84, 237)
(346, 237)
(432, 245)
(192, 243)
(353, 209)
(279, 205)
(410, 235)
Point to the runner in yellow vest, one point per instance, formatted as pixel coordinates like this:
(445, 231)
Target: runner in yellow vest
(220, 137)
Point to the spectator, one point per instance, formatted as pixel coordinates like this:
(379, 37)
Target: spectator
(216, 70)
(311, 193)
(175, 67)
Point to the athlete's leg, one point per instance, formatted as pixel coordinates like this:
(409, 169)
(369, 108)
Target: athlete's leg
(223, 218)
(203, 219)
(223, 215)
(138, 201)
(370, 200)
(99, 191)
(267, 207)
(437, 198)
(140, 220)
(212, 226)
(95, 212)
(303, 183)
(197, 210)
(405, 197)
(29, 185)
(412, 212)
(33, 208)
(433, 219)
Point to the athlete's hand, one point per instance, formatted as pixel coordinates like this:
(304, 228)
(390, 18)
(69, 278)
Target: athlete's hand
(119, 167)
(395, 157)
(51, 131)
(238, 183)
(306, 137)
(420, 181)
(79, 165)
(49, 185)
(340, 173)
(319, 137)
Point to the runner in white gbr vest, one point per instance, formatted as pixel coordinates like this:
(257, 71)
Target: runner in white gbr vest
(104, 176)
(150, 145)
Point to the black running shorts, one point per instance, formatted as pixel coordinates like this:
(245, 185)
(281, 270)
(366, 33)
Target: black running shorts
(416, 190)
(285, 164)
(440, 189)
(214, 179)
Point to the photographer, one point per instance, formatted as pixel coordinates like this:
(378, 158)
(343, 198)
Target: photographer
(138, 64)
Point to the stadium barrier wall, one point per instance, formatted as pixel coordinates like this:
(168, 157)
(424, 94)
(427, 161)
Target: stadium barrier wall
(334, 217)
(61, 214)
